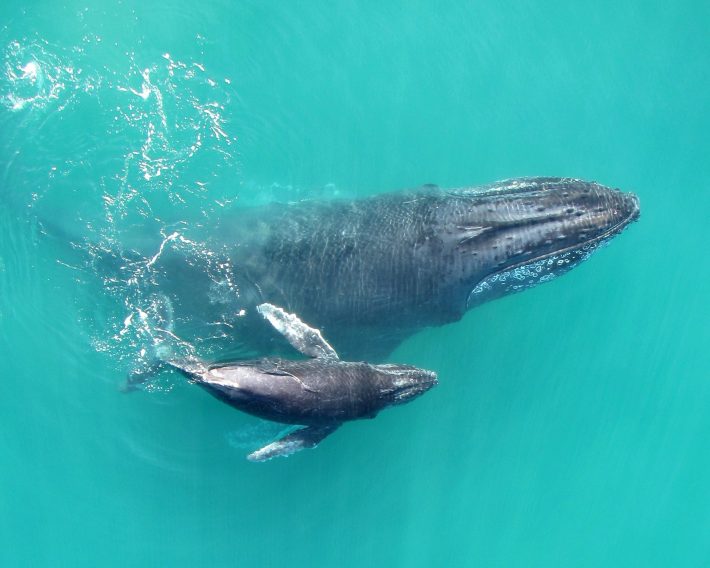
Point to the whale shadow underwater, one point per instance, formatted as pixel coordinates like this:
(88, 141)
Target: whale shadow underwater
(371, 272)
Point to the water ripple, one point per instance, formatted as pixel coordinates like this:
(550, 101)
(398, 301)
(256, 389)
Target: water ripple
(94, 151)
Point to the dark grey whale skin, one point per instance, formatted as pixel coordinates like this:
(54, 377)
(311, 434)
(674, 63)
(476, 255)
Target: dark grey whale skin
(313, 392)
(371, 272)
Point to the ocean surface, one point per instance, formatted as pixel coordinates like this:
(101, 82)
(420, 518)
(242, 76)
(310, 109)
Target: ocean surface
(571, 423)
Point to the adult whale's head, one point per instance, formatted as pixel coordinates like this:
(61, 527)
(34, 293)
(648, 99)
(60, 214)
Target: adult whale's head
(514, 234)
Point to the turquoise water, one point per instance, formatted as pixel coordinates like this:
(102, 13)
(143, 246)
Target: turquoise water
(570, 426)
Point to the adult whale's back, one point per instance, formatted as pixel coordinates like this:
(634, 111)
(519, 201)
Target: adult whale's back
(370, 272)
(350, 262)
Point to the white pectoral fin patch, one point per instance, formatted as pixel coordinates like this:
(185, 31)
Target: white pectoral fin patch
(307, 340)
(305, 438)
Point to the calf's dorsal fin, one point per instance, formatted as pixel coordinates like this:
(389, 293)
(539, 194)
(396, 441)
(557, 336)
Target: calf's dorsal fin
(307, 340)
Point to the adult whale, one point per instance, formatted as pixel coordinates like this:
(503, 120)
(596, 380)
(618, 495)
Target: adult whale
(371, 272)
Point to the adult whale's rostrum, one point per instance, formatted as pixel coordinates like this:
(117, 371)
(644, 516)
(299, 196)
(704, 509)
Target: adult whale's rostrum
(371, 272)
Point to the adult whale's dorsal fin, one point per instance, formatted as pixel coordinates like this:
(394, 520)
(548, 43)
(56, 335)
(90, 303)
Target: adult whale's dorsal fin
(307, 340)
(308, 437)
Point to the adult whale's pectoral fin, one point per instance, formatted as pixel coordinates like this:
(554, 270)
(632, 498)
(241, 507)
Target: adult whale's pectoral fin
(305, 438)
(307, 340)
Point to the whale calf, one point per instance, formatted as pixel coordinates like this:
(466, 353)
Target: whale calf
(319, 394)
(370, 272)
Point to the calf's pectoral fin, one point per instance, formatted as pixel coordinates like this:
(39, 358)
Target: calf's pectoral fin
(305, 438)
(306, 339)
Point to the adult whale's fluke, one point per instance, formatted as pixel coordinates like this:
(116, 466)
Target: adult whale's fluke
(318, 394)
(370, 272)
